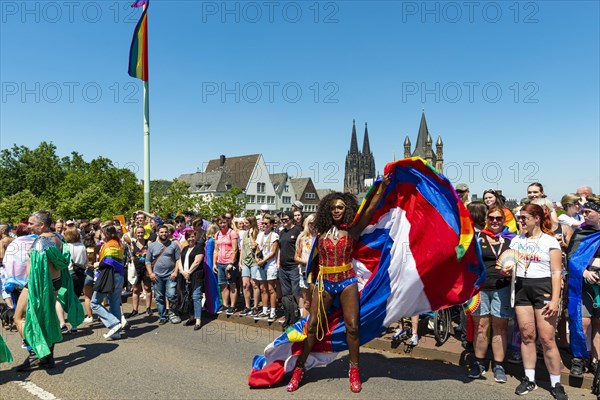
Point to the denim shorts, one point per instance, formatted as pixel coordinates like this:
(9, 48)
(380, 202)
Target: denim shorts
(496, 303)
(272, 273)
(259, 273)
(222, 274)
(250, 272)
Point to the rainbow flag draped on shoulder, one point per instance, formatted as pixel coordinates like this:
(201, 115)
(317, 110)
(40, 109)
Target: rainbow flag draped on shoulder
(138, 52)
(416, 255)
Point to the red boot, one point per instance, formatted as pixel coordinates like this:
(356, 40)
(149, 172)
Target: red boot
(296, 378)
(355, 385)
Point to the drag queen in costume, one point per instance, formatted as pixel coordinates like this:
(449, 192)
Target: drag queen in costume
(336, 277)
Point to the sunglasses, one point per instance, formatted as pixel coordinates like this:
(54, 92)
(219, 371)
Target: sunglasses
(524, 217)
(497, 219)
(285, 219)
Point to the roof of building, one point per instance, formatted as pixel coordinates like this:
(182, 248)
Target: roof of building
(324, 192)
(278, 181)
(299, 185)
(214, 181)
(239, 168)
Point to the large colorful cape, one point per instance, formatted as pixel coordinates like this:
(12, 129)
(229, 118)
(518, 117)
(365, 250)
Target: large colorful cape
(416, 255)
(584, 244)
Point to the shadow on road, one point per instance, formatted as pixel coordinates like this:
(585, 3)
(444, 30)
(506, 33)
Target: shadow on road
(88, 353)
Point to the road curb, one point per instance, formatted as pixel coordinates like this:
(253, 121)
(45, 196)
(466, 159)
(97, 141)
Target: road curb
(423, 353)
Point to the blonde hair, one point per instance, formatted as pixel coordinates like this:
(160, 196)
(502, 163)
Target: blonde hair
(569, 199)
(543, 202)
(211, 231)
(306, 230)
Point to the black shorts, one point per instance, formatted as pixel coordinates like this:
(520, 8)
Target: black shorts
(588, 297)
(536, 292)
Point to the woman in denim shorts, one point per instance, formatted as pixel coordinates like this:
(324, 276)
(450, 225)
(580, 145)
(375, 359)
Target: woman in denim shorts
(495, 297)
(249, 267)
(225, 264)
(266, 250)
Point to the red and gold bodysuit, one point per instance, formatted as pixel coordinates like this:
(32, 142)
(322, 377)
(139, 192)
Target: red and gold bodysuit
(335, 263)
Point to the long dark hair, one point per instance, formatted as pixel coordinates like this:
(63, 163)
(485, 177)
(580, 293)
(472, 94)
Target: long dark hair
(324, 220)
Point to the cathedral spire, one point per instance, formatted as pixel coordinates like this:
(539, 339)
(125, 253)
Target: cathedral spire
(353, 141)
(421, 146)
(366, 149)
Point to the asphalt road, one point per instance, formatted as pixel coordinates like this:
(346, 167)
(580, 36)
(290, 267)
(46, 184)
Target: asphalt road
(176, 362)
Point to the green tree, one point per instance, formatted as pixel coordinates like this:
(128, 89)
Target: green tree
(39, 170)
(233, 200)
(171, 197)
(19, 206)
(69, 186)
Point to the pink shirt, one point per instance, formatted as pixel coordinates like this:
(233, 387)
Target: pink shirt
(225, 246)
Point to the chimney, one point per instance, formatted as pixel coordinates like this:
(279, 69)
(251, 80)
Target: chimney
(221, 160)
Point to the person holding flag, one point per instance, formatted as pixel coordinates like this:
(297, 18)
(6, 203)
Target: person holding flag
(336, 277)
(583, 254)
(408, 250)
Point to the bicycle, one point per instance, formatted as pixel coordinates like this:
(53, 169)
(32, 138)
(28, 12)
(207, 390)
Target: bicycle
(403, 335)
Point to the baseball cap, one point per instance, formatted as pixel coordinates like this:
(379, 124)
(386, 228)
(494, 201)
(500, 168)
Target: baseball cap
(462, 187)
(70, 222)
(264, 207)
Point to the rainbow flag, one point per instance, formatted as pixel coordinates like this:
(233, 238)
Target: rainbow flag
(138, 53)
(416, 255)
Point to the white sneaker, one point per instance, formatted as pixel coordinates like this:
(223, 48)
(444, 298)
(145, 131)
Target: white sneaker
(112, 331)
(88, 320)
(414, 340)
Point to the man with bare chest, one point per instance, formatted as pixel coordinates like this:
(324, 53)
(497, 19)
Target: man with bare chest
(35, 315)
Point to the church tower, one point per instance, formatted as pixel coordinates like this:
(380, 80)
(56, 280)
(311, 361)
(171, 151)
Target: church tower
(360, 165)
(439, 154)
(407, 147)
(352, 171)
(367, 161)
(424, 147)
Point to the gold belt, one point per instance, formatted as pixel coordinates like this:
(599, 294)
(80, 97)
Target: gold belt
(335, 269)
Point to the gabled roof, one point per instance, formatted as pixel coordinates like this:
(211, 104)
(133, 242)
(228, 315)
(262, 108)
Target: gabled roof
(239, 168)
(278, 180)
(324, 192)
(215, 181)
(299, 185)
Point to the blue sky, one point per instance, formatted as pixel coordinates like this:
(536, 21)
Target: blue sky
(512, 87)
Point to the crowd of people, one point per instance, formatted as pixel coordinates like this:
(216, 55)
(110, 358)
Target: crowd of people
(255, 266)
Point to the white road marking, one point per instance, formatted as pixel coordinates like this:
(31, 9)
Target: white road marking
(36, 390)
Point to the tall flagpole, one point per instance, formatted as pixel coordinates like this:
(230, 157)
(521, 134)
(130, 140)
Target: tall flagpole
(146, 148)
(138, 68)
